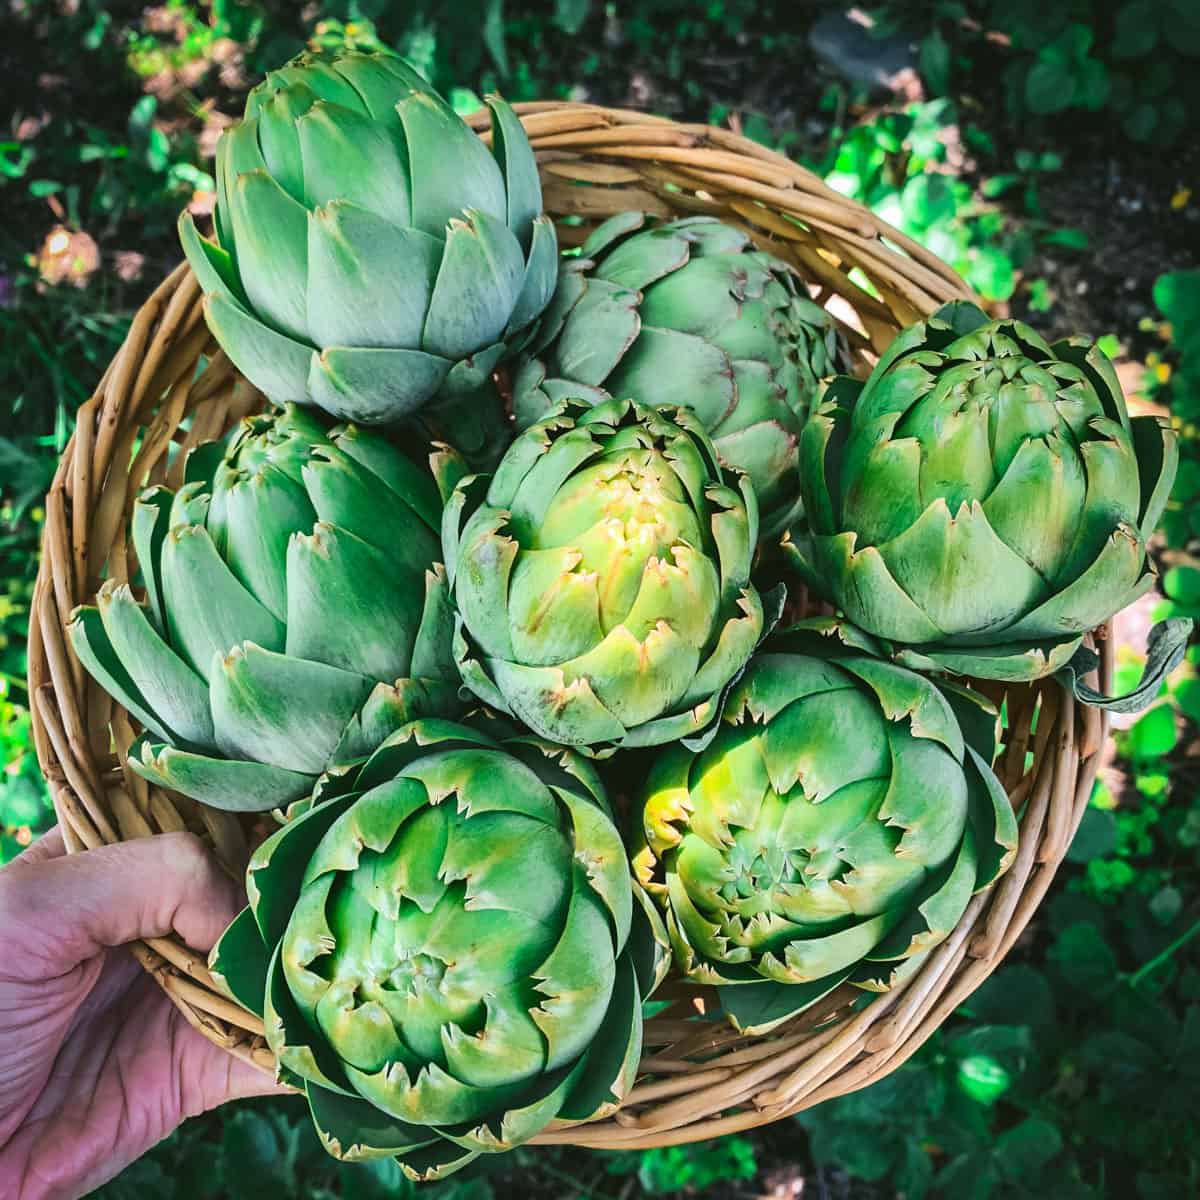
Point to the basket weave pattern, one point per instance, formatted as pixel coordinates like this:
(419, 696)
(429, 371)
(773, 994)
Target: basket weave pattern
(698, 1079)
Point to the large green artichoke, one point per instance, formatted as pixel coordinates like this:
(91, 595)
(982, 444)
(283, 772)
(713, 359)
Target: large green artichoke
(296, 613)
(602, 577)
(441, 949)
(984, 499)
(833, 831)
(689, 313)
(371, 253)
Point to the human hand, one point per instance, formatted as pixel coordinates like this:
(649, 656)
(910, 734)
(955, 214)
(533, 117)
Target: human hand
(97, 1063)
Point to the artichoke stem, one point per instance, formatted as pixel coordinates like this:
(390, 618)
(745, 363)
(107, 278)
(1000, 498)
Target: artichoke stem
(476, 423)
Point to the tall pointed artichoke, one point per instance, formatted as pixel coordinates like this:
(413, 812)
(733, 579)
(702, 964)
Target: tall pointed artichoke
(602, 577)
(371, 253)
(984, 499)
(689, 313)
(832, 832)
(446, 950)
(295, 612)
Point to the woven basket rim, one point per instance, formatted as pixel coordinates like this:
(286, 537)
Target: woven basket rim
(699, 1079)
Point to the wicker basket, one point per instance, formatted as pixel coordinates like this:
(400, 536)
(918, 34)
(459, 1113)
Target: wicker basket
(699, 1078)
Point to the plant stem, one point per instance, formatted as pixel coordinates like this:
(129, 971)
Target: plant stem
(1163, 955)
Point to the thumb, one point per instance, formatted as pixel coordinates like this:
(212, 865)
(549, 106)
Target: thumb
(69, 908)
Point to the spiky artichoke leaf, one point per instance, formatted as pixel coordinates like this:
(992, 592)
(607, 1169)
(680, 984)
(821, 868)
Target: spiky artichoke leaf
(263, 711)
(993, 820)
(609, 312)
(885, 976)
(271, 232)
(302, 1056)
(332, 570)
(559, 768)
(906, 696)
(478, 282)
(435, 1161)
(406, 479)
(523, 1120)
(576, 980)
(756, 1009)
(878, 602)
(604, 860)
(977, 717)
(511, 149)
(542, 698)
(370, 280)
(239, 961)
(607, 1071)
(151, 520)
(920, 768)
(938, 909)
(275, 874)
(231, 785)
(208, 610)
(372, 385)
(1157, 451)
(412, 742)
(814, 959)
(214, 266)
(353, 1130)
(537, 287)
(433, 1096)
(89, 639)
(1115, 575)
(276, 364)
(389, 707)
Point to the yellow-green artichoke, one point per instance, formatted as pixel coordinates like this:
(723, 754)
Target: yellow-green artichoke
(602, 577)
(833, 831)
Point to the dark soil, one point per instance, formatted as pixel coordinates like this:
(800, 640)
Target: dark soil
(1120, 195)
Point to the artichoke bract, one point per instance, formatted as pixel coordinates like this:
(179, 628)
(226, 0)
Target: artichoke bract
(983, 499)
(371, 253)
(295, 612)
(602, 577)
(689, 313)
(832, 832)
(446, 949)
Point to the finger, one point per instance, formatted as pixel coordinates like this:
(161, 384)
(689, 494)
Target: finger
(149, 887)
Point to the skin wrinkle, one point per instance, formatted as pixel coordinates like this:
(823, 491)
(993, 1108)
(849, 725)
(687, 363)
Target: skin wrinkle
(103, 1065)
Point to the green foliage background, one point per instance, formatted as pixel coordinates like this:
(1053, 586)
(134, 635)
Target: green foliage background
(1075, 1071)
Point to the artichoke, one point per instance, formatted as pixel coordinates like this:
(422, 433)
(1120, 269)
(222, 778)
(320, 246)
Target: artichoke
(983, 499)
(296, 613)
(833, 831)
(440, 947)
(689, 313)
(371, 253)
(602, 577)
